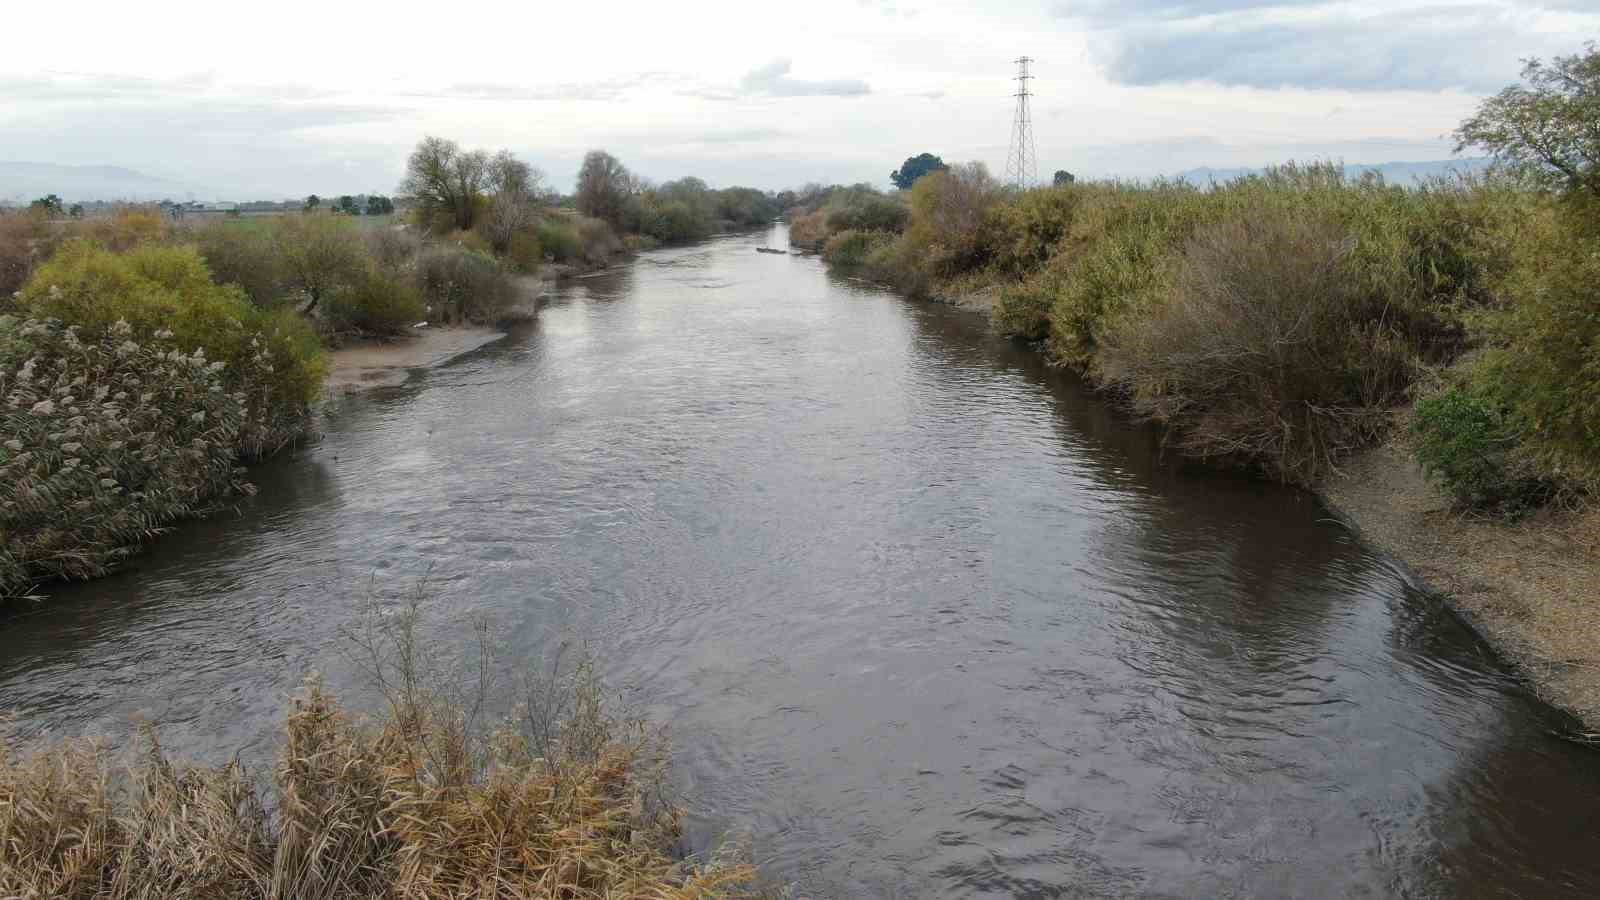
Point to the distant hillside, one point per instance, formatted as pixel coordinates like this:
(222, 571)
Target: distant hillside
(1406, 173)
(21, 182)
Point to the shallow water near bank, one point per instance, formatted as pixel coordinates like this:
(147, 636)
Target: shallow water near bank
(925, 618)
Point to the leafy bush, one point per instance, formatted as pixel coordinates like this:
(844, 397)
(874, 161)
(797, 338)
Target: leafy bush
(243, 254)
(463, 286)
(853, 248)
(274, 358)
(1542, 354)
(27, 238)
(1022, 232)
(393, 250)
(319, 253)
(124, 229)
(375, 304)
(864, 209)
(809, 230)
(106, 440)
(948, 211)
(672, 221)
(560, 240)
(1264, 350)
(1466, 442)
(599, 242)
(525, 253)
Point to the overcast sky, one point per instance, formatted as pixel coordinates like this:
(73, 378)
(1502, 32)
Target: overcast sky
(293, 97)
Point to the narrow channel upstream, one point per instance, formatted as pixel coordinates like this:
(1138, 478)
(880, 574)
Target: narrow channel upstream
(924, 617)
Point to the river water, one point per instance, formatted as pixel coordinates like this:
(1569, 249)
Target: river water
(925, 618)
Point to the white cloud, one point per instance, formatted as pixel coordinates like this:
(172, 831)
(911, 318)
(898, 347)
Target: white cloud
(329, 97)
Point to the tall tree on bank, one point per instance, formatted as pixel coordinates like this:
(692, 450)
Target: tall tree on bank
(915, 167)
(516, 189)
(1549, 128)
(604, 186)
(1063, 177)
(445, 181)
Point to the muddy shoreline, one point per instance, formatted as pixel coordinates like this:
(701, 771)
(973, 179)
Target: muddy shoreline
(1528, 589)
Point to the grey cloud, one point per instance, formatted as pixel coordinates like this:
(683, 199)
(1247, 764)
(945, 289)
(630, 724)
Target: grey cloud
(1472, 47)
(773, 80)
(1114, 11)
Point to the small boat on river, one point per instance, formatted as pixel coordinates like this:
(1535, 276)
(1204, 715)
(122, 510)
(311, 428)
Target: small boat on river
(770, 250)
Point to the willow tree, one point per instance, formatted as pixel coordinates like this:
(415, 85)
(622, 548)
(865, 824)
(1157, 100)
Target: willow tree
(1547, 128)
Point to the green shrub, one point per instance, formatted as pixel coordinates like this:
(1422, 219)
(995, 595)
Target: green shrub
(393, 250)
(460, 285)
(1023, 307)
(103, 441)
(559, 240)
(243, 254)
(1023, 231)
(1264, 350)
(274, 358)
(1466, 442)
(319, 253)
(524, 252)
(863, 209)
(948, 209)
(376, 304)
(852, 249)
(1542, 354)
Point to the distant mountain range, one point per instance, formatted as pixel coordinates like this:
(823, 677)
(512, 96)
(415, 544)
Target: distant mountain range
(21, 182)
(1402, 173)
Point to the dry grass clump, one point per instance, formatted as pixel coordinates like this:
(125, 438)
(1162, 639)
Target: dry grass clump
(1266, 349)
(559, 801)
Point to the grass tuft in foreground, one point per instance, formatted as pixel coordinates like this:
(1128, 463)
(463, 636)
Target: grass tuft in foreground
(560, 800)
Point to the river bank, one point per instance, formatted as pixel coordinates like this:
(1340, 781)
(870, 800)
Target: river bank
(1528, 588)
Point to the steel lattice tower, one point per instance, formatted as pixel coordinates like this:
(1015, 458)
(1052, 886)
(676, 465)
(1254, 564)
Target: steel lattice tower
(1022, 166)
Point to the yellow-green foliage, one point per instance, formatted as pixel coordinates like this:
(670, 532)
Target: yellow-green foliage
(809, 230)
(243, 253)
(1541, 359)
(945, 232)
(103, 442)
(1264, 349)
(463, 286)
(853, 248)
(154, 288)
(374, 304)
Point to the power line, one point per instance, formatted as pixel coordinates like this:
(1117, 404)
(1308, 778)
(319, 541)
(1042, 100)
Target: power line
(1022, 163)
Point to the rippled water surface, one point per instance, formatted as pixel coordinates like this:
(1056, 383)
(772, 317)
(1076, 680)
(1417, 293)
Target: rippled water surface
(926, 619)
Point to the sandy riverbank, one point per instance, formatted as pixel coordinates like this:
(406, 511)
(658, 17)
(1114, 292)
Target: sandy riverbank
(373, 364)
(1532, 589)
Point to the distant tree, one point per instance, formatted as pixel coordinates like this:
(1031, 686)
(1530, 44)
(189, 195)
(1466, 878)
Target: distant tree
(49, 204)
(1063, 177)
(347, 204)
(1548, 129)
(76, 211)
(915, 167)
(312, 202)
(379, 205)
(318, 254)
(516, 191)
(446, 182)
(604, 186)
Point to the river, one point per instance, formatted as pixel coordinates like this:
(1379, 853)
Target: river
(925, 618)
